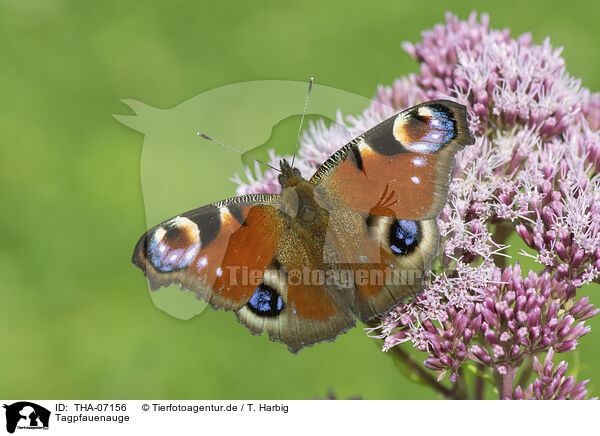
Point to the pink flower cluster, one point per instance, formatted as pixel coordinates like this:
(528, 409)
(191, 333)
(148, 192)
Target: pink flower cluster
(551, 382)
(533, 172)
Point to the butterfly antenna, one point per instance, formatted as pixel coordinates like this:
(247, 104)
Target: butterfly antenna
(310, 84)
(238, 151)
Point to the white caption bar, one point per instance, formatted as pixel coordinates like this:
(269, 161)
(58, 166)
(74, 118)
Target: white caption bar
(295, 417)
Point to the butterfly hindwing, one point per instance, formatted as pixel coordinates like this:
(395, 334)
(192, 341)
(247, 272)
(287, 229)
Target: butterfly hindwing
(314, 309)
(385, 258)
(310, 312)
(406, 248)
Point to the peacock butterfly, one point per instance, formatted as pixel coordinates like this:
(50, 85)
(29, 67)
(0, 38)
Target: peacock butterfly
(354, 240)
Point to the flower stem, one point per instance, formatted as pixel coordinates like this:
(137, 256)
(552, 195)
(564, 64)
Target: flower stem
(508, 381)
(527, 370)
(500, 236)
(458, 393)
(479, 384)
(422, 374)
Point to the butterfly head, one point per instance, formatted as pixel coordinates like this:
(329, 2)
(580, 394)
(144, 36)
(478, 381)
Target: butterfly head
(289, 176)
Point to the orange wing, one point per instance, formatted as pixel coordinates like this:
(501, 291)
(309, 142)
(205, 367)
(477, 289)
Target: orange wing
(240, 255)
(210, 250)
(401, 167)
(383, 192)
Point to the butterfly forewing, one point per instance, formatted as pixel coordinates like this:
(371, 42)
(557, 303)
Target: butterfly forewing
(401, 167)
(204, 250)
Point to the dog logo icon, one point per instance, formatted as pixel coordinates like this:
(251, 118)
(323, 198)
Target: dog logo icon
(26, 415)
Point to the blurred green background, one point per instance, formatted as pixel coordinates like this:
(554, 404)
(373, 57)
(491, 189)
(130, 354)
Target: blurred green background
(76, 319)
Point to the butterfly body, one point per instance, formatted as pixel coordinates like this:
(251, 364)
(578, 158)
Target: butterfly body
(354, 240)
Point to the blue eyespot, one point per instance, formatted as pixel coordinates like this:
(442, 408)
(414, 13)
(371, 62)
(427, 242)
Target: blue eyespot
(174, 245)
(430, 128)
(405, 236)
(265, 301)
(442, 128)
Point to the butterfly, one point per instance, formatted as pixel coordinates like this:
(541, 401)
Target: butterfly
(353, 241)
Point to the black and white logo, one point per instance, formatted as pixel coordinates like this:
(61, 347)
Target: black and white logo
(26, 415)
